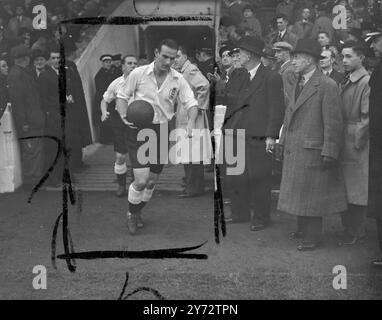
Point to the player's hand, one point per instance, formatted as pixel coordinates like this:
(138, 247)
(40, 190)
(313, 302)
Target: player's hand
(270, 145)
(131, 125)
(105, 116)
(190, 127)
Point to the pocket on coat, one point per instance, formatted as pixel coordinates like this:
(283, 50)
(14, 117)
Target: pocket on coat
(312, 153)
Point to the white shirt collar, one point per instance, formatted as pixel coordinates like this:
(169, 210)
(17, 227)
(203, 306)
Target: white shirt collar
(172, 73)
(283, 32)
(253, 71)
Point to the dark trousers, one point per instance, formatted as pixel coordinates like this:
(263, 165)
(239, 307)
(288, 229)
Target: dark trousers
(311, 228)
(252, 189)
(194, 178)
(353, 220)
(379, 232)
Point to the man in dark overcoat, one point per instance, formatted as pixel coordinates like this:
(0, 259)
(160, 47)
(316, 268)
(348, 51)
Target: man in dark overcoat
(375, 165)
(259, 111)
(28, 114)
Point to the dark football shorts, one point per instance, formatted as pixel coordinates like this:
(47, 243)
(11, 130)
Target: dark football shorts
(133, 145)
(120, 137)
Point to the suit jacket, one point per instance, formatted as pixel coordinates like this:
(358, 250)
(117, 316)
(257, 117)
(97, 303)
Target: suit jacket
(14, 26)
(313, 128)
(302, 30)
(260, 106)
(50, 97)
(26, 103)
(289, 37)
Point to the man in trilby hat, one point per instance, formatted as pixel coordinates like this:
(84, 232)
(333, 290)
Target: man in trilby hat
(312, 185)
(259, 110)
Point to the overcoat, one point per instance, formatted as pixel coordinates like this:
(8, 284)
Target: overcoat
(355, 153)
(201, 88)
(313, 128)
(289, 79)
(375, 169)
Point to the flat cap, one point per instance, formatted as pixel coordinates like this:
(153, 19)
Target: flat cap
(282, 45)
(117, 57)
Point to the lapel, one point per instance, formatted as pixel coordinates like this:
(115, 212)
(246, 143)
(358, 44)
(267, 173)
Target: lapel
(255, 83)
(285, 66)
(309, 89)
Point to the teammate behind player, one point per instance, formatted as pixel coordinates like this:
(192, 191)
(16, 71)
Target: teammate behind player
(129, 63)
(162, 87)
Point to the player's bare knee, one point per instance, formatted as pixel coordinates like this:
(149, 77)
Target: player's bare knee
(140, 183)
(120, 158)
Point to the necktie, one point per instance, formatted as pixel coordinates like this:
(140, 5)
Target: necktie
(280, 36)
(299, 87)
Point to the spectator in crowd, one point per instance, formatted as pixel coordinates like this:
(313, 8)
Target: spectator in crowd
(312, 185)
(285, 68)
(142, 61)
(303, 27)
(4, 94)
(205, 57)
(235, 10)
(194, 173)
(236, 58)
(260, 112)
(324, 39)
(250, 25)
(375, 116)
(354, 157)
(323, 23)
(28, 114)
(117, 65)
(269, 58)
(283, 34)
(5, 43)
(39, 60)
(18, 22)
(220, 79)
(326, 65)
(102, 80)
(80, 110)
(286, 7)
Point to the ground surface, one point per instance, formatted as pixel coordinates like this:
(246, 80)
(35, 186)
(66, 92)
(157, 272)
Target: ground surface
(245, 265)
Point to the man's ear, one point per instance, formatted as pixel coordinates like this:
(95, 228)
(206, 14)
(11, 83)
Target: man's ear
(156, 53)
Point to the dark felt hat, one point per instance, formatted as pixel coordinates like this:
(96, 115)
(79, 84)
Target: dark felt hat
(117, 57)
(310, 47)
(252, 44)
(36, 53)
